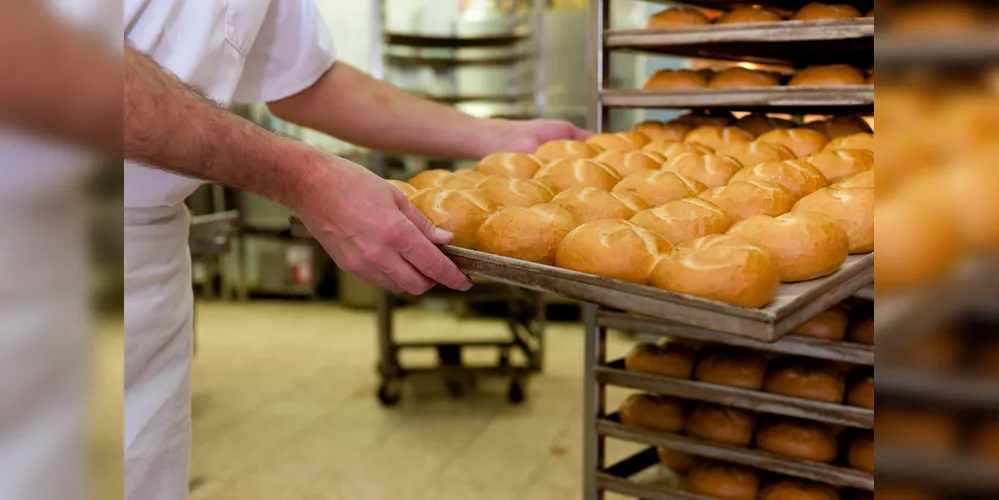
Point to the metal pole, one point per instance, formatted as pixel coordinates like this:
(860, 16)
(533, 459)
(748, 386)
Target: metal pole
(540, 76)
(599, 66)
(596, 353)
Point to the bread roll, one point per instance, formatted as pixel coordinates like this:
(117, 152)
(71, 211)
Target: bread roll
(861, 453)
(669, 148)
(732, 367)
(429, 178)
(653, 412)
(588, 204)
(753, 153)
(612, 248)
(515, 165)
(743, 200)
(919, 429)
(840, 125)
(462, 180)
(796, 489)
(861, 180)
(722, 268)
(716, 137)
(854, 141)
(671, 360)
(721, 424)
(660, 187)
(710, 169)
(460, 212)
(798, 176)
(970, 194)
(511, 192)
(697, 119)
(798, 439)
(724, 481)
(801, 141)
(863, 332)
(564, 174)
(626, 163)
(830, 75)
(626, 141)
(759, 124)
(406, 188)
(566, 150)
(807, 379)
(525, 233)
(828, 325)
(678, 16)
(671, 131)
(684, 220)
(851, 209)
(861, 393)
(839, 164)
(739, 77)
(751, 14)
(819, 11)
(807, 245)
(676, 461)
(675, 79)
(919, 245)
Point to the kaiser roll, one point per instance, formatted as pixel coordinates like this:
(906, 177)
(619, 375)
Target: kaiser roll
(724, 481)
(653, 412)
(722, 268)
(798, 176)
(523, 233)
(970, 194)
(460, 212)
(739, 77)
(564, 174)
(861, 180)
(683, 220)
(751, 14)
(854, 141)
(801, 141)
(511, 192)
(717, 137)
(588, 204)
(516, 165)
(461, 179)
(670, 148)
(613, 249)
(852, 209)
(807, 379)
(676, 461)
(670, 360)
(722, 424)
(429, 178)
(840, 125)
(818, 11)
(861, 453)
(831, 75)
(710, 169)
(732, 367)
(679, 79)
(829, 325)
(753, 153)
(862, 393)
(839, 164)
(759, 124)
(807, 245)
(743, 200)
(863, 331)
(658, 187)
(406, 188)
(672, 131)
(796, 489)
(617, 141)
(566, 150)
(798, 439)
(626, 163)
(919, 245)
(679, 16)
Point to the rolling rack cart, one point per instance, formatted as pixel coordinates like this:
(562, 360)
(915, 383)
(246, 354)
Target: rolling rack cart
(787, 42)
(210, 240)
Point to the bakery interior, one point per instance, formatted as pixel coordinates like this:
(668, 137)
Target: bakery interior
(688, 309)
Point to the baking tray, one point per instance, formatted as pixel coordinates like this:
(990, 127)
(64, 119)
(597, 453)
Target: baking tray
(954, 49)
(758, 401)
(452, 42)
(965, 390)
(841, 477)
(616, 479)
(863, 6)
(455, 62)
(948, 471)
(212, 234)
(783, 98)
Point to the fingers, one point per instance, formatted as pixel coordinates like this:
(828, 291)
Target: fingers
(579, 134)
(406, 277)
(436, 235)
(418, 250)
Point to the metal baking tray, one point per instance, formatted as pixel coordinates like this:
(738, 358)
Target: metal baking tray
(954, 471)
(965, 390)
(837, 476)
(962, 48)
(453, 42)
(863, 6)
(759, 401)
(399, 60)
(815, 99)
(616, 479)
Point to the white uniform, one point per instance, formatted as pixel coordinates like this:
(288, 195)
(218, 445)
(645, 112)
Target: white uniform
(244, 50)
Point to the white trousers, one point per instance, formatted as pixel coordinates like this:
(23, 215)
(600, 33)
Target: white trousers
(158, 349)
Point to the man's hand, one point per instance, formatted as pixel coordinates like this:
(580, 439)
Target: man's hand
(526, 136)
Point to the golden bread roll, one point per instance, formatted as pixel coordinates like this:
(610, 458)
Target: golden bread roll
(830, 75)
(863, 331)
(870, 79)
(679, 79)
(429, 178)
(566, 150)
(678, 16)
(511, 192)
(722, 268)
(798, 176)
(751, 14)
(732, 367)
(829, 325)
(564, 174)
(743, 200)
(801, 141)
(861, 453)
(710, 169)
(798, 439)
(861, 393)
(759, 124)
(839, 164)
(658, 187)
(739, 77)
(676, 461)
(463, 179)
(717, 137)
(840, 125)
(612, 248)
(587, 204)
(861, 140)
(653, 412)
(921, 429)
(753, 153)
(525, 233)
(797, 489)
(671, 360)
(516, 165)
(684, 220)
(819, 11)
(807, 379)
(919, 245)
(852, 209)
(670, 148)
(698, 119)
(807, 245)
(460, 212)
(406, 188)
(971, 195)
(984, 442)
(724, 481)
(617, 141)
(861, 180)
(626, 163)
(721, 424)
(672, 131)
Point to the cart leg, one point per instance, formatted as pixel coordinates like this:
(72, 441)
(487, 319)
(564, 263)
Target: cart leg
(390, 391)
(596, 353)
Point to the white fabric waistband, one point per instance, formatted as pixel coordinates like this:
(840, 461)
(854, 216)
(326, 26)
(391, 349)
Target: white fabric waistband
(151, 215)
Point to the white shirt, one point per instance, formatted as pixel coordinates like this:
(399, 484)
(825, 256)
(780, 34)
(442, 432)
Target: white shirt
(242, 50)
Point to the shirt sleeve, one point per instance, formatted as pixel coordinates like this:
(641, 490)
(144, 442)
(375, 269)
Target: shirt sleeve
(292, 51)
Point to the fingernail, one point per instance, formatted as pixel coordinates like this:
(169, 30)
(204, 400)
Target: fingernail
(442, 234)
(467, 286)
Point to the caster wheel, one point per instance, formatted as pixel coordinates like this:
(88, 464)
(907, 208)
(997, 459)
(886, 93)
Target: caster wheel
(388, 395)
(516, 393)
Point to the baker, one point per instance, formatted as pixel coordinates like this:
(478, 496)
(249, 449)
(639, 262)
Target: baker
(183, 60)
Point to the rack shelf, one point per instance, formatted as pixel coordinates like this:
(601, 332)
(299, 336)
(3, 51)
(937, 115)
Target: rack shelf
(450, 63)
(773, 99)
(452, 42)
(863, 6)
(956, 49)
